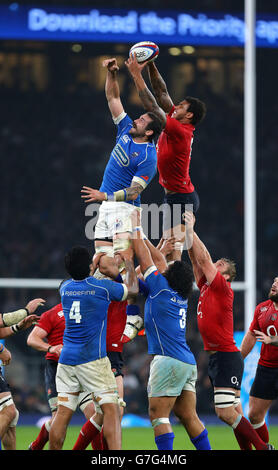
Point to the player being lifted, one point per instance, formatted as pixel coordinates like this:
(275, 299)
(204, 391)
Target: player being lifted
(131, 167)
(173, 149)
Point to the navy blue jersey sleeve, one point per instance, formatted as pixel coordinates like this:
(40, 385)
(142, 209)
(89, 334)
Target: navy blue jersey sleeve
(155, 281)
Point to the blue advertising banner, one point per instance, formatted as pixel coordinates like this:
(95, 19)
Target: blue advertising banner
(128, 26)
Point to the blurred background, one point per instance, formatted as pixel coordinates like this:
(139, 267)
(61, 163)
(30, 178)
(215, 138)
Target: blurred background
(56, 135)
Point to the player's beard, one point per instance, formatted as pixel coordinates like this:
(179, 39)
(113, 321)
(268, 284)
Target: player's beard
(273, 297)
(134, 132)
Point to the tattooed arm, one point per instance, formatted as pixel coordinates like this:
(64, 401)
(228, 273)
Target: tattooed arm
(147, 98)
(159, 88)
(127, 194)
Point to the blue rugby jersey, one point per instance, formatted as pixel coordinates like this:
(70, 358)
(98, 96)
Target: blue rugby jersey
(85, 304)
(129, 160)
(165, 319)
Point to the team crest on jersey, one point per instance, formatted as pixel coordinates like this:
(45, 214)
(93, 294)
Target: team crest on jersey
(126, 139)
(274, 317)
(134, 154)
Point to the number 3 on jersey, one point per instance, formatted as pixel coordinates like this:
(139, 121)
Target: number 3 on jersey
(75, 311)
(182, 313)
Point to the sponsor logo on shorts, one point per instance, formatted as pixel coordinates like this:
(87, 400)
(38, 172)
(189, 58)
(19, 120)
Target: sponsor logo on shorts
(118, 224)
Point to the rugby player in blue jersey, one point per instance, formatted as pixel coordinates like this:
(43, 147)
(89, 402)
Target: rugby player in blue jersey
(83, 363)
(131, 167)
(173, 370)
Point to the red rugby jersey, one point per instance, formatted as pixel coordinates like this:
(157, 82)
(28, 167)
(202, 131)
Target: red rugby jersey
(215, 314)
(266, 320)
(53, 322)
(174, 155)
(116, 320)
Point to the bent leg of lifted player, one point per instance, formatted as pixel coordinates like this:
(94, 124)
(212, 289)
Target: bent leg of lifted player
(185, 410)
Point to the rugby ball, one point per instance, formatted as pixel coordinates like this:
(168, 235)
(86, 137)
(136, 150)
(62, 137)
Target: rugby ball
(145, 51)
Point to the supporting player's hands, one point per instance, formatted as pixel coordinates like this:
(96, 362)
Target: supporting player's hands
(133, 65)
(28, 321)
(262, 337)
(111, 64)
(5, 357)
(34, 304)
(167, 246)
(189, 218)
(135, 218)
(92, 195)
(56, 349)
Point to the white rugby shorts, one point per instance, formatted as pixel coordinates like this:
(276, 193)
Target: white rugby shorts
(95, 376)
(114, 217)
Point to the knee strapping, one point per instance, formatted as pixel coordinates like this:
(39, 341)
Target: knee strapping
(6, 401)
(121, 244)
(68, 400)
(102, 398)
(107, 250)
(14, 422)
(224, 398)
(53, 403)
(158, 421)
(84, 400)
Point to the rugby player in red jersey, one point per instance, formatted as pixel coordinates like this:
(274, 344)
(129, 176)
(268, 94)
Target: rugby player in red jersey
(215, 323)
(263, 328)
(173, 150)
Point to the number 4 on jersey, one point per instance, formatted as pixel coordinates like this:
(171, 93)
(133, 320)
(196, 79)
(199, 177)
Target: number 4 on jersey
(75, 311)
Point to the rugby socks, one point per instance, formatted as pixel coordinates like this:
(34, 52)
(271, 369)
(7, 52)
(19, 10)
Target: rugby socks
(88, 432)
(243, 443)
(165, 441)
(201, 442)
(262, 430)
(244, 431)
(42, 438)
(96, 442)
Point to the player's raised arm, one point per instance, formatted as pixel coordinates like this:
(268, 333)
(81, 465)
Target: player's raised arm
(159, 88)
(147, 98)
(112, 89)
(201, 256)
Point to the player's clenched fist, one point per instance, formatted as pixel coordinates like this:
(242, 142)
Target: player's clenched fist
(34, 304)
(111, 65)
